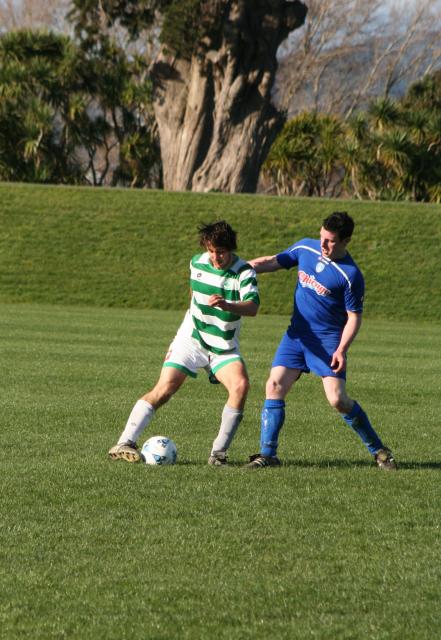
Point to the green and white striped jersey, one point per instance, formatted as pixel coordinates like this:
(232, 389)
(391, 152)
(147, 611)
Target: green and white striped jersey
(217, 330)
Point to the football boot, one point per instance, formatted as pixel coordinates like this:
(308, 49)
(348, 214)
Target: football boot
(384, 459)
(127, 451)
(259, 461)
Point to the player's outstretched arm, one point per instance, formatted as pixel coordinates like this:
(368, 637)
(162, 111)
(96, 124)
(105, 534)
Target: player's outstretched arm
(265, 264)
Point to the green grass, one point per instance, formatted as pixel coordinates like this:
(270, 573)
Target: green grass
(325, 547)
(123, 248)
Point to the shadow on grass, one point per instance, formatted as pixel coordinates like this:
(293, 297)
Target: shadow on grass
(345, 464)
(419, 465)
(322, 464)
(326, 464)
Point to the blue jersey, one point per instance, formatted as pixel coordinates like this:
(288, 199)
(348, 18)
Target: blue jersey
(326, 290)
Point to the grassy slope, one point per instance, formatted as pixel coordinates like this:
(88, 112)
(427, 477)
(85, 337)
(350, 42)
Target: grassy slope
(131, 248)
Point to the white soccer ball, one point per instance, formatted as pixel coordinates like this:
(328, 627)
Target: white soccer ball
(159, 450)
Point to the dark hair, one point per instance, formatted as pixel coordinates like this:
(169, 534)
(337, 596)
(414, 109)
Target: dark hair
(340, 223)
(219, 234)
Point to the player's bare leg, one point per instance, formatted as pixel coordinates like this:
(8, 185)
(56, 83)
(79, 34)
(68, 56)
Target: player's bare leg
(280, 381)
(335, 390)
(356, 418)
(234, 377)
(169, 382)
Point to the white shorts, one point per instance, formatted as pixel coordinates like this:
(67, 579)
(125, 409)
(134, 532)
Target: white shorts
(185, 353)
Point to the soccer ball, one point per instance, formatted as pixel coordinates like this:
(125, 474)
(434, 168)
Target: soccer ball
(159, 450)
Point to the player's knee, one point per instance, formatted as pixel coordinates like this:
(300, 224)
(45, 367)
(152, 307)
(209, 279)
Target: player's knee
(339, 402)
(273, 388)
(161, 393)
(241, 387)
(168, 390)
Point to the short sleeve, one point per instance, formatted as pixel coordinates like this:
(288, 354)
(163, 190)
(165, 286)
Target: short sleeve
(248, 285)
(354, 294)
(288, 258)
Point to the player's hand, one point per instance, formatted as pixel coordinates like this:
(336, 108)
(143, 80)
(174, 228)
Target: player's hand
(338, 362)
(216, 300)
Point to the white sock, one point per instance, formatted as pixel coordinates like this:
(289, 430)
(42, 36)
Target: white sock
(141, 415)
(231, 419)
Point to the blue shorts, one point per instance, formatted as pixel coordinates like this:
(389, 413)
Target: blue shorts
(307, 353)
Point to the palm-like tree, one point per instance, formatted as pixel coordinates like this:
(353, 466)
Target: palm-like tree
(65, 115)
(306, 157)
(395, 155)
(383, 113)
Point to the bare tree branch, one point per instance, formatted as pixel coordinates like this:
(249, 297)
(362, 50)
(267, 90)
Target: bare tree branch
(349, 51)
(31, 14)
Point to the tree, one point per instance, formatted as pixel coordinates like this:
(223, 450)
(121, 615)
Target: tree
(33, 14)
(351, 51)
(306, 158)
(68, 117)
(212, 79)
(30, 67)
(392, 151)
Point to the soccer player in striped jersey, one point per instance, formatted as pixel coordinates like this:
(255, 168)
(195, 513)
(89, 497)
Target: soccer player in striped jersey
(223, 290)
(328, 303)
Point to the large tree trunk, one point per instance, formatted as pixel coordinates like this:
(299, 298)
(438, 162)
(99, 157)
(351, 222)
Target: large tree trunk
(215, 117)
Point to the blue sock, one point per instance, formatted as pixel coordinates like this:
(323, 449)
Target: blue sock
(359, 422)
(272, 419)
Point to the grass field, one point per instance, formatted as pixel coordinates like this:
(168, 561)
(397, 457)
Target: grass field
(325, 547)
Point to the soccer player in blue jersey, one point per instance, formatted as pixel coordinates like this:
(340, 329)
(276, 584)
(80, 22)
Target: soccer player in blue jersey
(328, 305)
